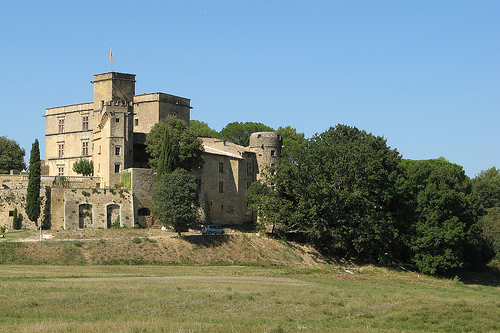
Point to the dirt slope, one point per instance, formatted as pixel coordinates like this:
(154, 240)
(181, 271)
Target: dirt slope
(153, 246)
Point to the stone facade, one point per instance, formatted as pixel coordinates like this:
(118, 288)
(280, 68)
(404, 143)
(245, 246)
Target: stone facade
(111, 131)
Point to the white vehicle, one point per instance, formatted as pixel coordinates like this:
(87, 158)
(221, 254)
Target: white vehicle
(212, 230)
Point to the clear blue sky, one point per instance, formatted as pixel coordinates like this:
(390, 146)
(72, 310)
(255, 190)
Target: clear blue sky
(423, 74)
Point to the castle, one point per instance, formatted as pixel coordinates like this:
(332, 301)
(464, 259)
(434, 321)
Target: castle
(111, 131)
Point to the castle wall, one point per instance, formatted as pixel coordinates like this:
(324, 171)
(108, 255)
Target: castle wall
(142, 183)
(151, 108)
(224, 179)
(68, 137)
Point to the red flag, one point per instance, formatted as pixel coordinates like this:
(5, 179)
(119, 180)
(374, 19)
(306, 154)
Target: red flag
(110, 55)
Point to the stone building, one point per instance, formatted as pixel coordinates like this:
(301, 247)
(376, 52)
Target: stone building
(111, 131)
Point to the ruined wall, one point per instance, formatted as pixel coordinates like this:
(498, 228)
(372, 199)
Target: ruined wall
(16, 198)
(93, 208)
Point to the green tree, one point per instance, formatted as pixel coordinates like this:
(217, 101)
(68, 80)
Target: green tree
(180, 139)
(175, 200)
(444, 233)
(84, 167)
(486, 194)
(33, 200)
(239, 133)
(339, 188)
(273, 211)
(169, 155)
(491, 229)
(202, 129)
(11, 155)
(486, 188)
(16, 225)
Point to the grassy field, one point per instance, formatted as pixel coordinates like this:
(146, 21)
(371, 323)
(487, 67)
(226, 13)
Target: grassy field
(149, 281)
(50, 298)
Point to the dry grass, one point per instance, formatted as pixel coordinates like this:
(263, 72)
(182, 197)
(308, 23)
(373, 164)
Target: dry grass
(233, 283)
(239, 299)
(152, 246)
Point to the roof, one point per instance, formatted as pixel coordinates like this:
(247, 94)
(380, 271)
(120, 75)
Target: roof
(224, 148)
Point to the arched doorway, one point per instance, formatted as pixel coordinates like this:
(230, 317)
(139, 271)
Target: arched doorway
(144, 217)
(85, 216)
(113, 216)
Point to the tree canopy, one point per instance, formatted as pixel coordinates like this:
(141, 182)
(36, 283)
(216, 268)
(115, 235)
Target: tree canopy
(172, 141)
(11, 155)
(175, 200)
(338, 188)
(202, 129)
(239, 133)
(84, 167)
(443, 230)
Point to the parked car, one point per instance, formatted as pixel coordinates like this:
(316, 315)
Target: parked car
(212, 230)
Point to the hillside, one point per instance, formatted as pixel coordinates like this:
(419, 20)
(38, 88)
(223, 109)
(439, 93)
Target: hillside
(152, 246)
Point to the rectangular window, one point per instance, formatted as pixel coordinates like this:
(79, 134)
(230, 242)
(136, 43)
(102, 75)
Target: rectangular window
(136, 122)
(272, 152)
(60, 122)
(221, 187)
(117, 168)
(11, 213)
(117, 150)
(117, 120)
(249, 168)
(85, 123)
(60, 150)
(85, 148)
(60, 171)
(221, 167)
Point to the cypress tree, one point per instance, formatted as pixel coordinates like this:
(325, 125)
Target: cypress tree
(33, 200)
(167, 161)
(15, 220)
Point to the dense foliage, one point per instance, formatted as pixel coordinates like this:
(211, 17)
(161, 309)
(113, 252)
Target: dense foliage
(239, 133)
(175, 200)
(338, 189)
(11, 155)
(33, 200)
(171, 144)
(202, 129)
(353, 196)
(486, 193)
(84, 167)
(442, 229)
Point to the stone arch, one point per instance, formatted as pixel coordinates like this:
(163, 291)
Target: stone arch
(144, 217)
(113, 215)
(85, 215)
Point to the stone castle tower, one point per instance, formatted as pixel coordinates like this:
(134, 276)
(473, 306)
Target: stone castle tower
(113, 125)
(267, 146)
